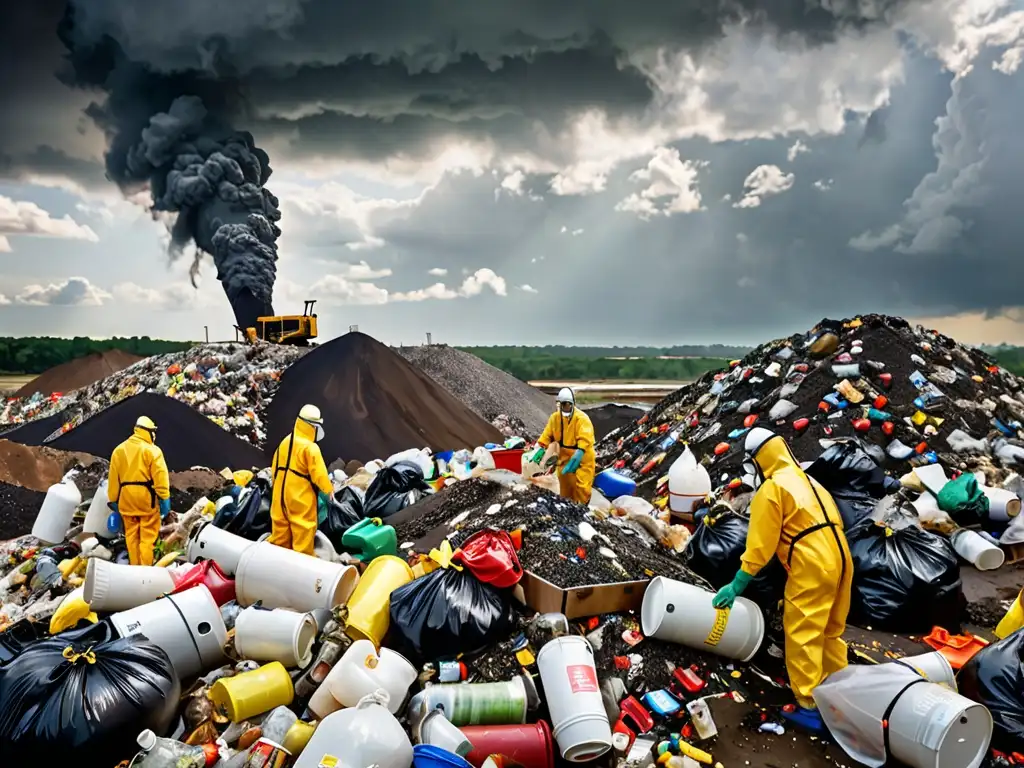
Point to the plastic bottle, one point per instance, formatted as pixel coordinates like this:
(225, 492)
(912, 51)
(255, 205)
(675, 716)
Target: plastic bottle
(168, 753)
(688, 481)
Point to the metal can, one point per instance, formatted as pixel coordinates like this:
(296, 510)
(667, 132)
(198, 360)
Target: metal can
(266, 754)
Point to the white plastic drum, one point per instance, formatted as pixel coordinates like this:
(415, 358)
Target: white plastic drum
(281, 578)
(933, 666)
(112, 587)
(361, 671)
(578, 717)
(208, 542)
(96, 516)
(682, 613)
(933, 727)
(59, 506)
(188, 626)
(277, 635)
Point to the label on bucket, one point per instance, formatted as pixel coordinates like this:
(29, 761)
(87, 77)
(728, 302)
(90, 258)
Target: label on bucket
(582, 678)
(328, 761)
(718, 630)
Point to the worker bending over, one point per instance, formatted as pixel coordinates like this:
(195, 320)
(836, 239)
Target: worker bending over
(572, 429)
(795, 519)
(300, 478)
(138, 488)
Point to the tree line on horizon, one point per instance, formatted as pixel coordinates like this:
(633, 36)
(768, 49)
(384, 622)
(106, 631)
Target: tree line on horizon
(35, 354)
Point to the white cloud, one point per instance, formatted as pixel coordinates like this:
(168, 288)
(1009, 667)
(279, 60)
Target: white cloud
(435, 291)
(18, 217)
(483, 278)
(764, 181)
(824, 184)
(5, 245)
(437, 272)
(513, 183)
(526, 288)
(170, 297)
(671, 188)
(342, 289)
(573, 232)
(362, 271)
(4, 301)
(337, 289)
(797, 149)
(73, 292)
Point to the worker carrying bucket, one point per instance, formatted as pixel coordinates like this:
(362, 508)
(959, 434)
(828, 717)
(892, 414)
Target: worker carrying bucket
(795, 519)
(572, 429)
(300, 479)
(138, 488)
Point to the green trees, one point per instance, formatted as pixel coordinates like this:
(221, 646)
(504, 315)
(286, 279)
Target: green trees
(37, 354)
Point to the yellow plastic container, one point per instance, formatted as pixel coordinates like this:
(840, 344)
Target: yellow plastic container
(370, 604)
(72, 610)
(253, 693)
(298, 737)
(1013, 620)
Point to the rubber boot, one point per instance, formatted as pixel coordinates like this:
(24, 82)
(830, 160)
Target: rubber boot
(806, 719)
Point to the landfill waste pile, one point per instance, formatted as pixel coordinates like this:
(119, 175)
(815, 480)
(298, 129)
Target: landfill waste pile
(78, 373)
(610, 417)
(229, 383)
(488, 391)
(374, 403)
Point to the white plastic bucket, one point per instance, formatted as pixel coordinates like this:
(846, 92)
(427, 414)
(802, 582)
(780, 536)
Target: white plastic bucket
(681, 613)
(362, 670)
(364, 735)
(578, 718)
(281, 578)
(208, 542)
(188, 626)
(1003, 505)
(59, 506)
(275, 635)
(436, 731)
(984, 555)
(98, 512)
(933, 666)
(112, 587)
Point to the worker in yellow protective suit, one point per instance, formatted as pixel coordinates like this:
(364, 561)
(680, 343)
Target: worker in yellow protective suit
(572, 429)
(138, 488)
(796, 520)
(300, 479)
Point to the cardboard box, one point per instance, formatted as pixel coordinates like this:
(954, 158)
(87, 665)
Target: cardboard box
(577, 602)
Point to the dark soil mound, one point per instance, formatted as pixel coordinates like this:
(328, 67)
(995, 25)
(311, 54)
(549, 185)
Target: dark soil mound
(374, 403)
(35, 432)
(79, 373)
(18, 509)
(608, 418)
(187, 438)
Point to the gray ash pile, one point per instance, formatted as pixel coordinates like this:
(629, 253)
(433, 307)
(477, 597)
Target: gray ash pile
(911, 396)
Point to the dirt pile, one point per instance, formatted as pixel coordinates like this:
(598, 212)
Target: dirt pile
(36, 468)
(611, 416)
(187, 438)
(487, 390)
(374, 403)
(79, 373)
(909, 395)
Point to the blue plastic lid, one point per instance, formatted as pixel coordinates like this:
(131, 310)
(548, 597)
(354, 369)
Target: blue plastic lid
(429, 756)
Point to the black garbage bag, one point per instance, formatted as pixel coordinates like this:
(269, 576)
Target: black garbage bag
(994, 676)
(249, 515)
(59, 696)
(853, 478)
(393, 489)
(904, 581)
(344, 509)
(23, 634)
(715, 551)
(448, 612)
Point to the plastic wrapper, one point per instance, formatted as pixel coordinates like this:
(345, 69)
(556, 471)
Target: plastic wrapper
(249, 516)
(994, 676)
(964, 500)
(341, 512)
(58, 696)
(905, 580)
(853, 479)
(715, 550)
(393, 489)
(448, 612)
(491, 557)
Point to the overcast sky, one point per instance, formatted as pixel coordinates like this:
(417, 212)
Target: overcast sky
(528, 171)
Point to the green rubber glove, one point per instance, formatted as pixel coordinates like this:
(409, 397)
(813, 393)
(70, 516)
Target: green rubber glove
(573, 463)
(727, 595)
(538, 454)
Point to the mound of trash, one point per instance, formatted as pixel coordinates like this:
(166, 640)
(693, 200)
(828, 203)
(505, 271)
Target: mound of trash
(374, 403)
(78, 373)
(230, 383)
(609, 417)
(910, 396)
(488, 391)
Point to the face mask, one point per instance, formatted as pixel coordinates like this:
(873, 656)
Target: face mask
(751, 470)
(319, 432)
(566, 410)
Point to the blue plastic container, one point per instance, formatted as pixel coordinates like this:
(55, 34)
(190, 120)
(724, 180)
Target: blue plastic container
(428, 756)
(613, 485)
(446, 456)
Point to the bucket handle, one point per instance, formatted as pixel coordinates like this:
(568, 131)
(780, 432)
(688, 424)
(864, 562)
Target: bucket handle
(379, 696)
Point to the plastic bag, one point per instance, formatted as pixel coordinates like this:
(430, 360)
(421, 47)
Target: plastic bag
(491, 557)
(249, 516)
(59, 695)
(25, 633)
(715, 550)
(994, 676)
(448, 612)
(853, 479)
(393, 489)
(904, 581)
(344, 510)
(964, 500)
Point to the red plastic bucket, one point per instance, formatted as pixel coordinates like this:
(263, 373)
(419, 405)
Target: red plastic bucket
(209, 574)
(529, 745)
(508, 458)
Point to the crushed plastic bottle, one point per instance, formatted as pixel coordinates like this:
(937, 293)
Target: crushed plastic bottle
(167, 753)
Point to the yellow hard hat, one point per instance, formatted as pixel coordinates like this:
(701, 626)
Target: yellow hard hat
(311, 415)
(144, 422)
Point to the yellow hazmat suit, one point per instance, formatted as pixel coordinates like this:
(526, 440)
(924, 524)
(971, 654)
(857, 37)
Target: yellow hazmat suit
(794, 518)
(138, 479)
(575, 432)
(299, 472)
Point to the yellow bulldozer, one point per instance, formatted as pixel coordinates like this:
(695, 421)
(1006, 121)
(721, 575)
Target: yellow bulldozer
(298, 330)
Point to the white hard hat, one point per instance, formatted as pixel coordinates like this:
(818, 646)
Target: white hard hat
(756, 437)
(311, 414)
(565, 395)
